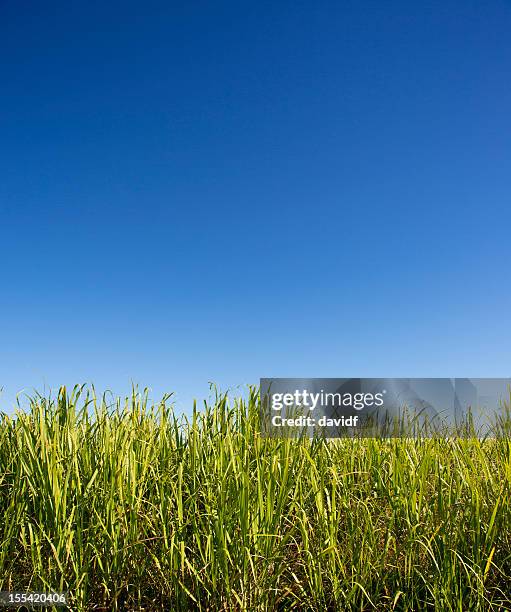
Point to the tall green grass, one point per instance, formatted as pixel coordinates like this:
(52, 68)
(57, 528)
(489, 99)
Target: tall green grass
(127, 507)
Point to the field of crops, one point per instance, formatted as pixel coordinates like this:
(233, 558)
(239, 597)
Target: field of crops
(127, 507)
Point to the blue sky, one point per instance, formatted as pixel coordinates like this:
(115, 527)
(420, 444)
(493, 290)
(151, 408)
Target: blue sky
(196, 192)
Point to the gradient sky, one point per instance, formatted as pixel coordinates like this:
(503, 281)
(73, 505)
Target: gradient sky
(196, 192)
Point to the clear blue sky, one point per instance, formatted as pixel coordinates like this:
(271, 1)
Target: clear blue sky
(196, 192)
